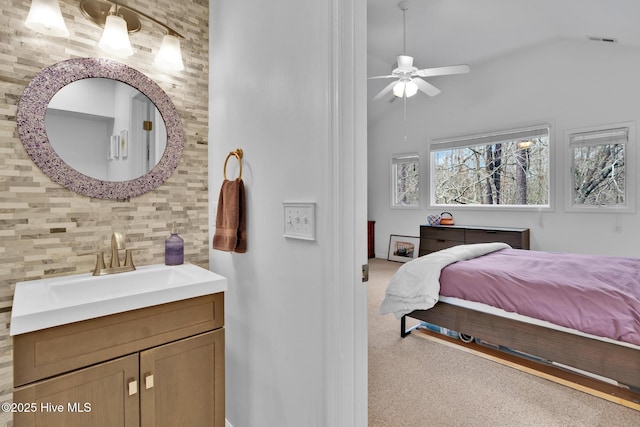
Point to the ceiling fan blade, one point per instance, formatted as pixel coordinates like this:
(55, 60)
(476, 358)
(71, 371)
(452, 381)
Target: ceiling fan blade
(425, 87)
(383, 77)
(443, 71)
(384, 91)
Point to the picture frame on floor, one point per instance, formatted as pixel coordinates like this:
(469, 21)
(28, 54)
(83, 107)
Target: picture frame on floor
(403, 248)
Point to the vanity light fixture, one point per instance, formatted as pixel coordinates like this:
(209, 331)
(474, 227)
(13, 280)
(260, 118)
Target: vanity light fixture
(104, 14)
(45, 17)
(118, 22)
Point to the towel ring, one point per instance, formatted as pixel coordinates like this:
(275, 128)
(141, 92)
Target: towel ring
(238, 155)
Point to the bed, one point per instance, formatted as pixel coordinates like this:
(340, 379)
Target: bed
(584, 347)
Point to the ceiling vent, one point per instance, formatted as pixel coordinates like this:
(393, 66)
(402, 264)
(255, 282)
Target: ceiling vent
(603, 39)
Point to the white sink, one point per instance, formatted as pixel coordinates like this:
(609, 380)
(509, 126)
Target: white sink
(45, 303)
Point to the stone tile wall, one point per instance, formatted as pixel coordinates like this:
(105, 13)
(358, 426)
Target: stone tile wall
(43, 226)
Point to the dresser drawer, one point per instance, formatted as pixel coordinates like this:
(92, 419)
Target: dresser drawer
(432, 245)
(512, 238)
(443, 233)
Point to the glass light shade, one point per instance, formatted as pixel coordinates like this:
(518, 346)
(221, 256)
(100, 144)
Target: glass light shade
(115, 38)
(398, 89)
(410, 88)
(169, 56)
(405, 88)
(45, 17)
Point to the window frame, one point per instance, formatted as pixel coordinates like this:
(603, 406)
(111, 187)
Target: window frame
(393, 179)
(504, 134)
(630, 169)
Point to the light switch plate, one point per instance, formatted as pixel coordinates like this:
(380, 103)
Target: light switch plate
(300, 221)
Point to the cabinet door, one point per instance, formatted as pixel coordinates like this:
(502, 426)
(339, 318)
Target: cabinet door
(182, 383)
(96, 396)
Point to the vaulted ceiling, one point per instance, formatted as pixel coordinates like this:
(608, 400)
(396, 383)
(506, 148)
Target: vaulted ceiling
(449, 32)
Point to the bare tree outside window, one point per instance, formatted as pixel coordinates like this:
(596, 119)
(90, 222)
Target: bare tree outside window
(599, 167)
(510, 169)
(405, 181)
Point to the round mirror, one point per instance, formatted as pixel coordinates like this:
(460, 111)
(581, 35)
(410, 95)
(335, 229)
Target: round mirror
(119, 138)
(100, 128)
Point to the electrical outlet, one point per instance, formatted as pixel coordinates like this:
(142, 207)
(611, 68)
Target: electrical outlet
(300, 221)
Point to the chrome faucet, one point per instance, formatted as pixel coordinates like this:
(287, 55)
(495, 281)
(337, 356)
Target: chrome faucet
(117, 244)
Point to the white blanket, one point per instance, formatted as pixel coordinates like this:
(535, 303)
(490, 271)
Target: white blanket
(416, 285)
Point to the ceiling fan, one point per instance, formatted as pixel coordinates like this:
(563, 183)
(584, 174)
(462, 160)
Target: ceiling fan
(408, 79)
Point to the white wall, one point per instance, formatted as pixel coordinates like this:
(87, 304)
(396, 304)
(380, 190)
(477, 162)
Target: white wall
(570, 84)
(86, 147)
(271, 94)
(82, 95)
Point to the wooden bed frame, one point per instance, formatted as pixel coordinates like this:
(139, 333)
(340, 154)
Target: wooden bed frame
(607, 359)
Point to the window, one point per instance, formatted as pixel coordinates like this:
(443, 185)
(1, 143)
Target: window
(505, 168)
(600, 168)
(405, 181)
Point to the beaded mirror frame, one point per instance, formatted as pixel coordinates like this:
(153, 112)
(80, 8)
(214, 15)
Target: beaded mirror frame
(31, 113)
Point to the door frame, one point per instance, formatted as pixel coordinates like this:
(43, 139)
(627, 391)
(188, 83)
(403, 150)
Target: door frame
(347, 345)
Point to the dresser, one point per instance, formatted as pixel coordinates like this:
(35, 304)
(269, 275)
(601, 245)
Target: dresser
(436, 237)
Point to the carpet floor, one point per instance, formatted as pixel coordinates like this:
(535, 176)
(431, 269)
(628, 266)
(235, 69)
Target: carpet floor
(416, 382)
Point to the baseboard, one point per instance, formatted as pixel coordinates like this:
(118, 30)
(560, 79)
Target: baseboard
(575, 381)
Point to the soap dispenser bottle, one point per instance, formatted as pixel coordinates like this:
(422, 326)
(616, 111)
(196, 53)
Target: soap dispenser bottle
(174, 248)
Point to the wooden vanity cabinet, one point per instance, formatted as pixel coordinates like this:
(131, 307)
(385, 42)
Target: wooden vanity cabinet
(152, 367)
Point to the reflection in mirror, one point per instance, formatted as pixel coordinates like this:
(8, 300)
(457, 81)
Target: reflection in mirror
(120, 137)
(69, 137)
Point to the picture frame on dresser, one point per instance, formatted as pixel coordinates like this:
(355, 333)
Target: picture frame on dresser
(403, 248)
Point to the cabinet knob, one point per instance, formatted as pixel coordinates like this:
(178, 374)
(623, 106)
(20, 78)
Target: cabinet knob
(133, 387)
(148, 382)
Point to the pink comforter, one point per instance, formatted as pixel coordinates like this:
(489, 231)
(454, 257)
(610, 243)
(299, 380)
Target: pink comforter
(594, 294)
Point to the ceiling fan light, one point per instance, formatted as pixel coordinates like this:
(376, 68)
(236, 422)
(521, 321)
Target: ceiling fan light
(45, 17)
(398, 89)
(115, 37)
(410, 88)
(169, 56)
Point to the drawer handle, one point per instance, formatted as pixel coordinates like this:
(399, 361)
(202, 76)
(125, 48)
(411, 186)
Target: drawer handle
(148, 382)
(440, 240)
(491, 232)
(133, 387)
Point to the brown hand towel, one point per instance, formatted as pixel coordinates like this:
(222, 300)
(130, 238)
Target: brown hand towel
(231, 221)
